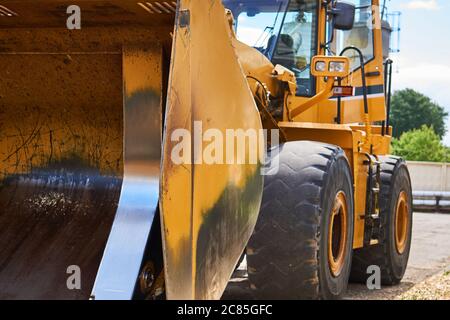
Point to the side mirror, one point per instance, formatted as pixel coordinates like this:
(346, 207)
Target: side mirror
(343, 16)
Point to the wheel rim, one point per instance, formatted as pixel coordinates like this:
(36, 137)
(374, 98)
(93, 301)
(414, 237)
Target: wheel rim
(337, 235)
(401, 222)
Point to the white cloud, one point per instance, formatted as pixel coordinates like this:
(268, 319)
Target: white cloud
(422, 4)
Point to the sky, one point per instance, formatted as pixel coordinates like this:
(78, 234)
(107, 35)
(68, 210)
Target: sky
(423, 63)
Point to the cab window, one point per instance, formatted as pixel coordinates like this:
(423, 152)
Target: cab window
(285, 31)
(297, 43)
(361, 36)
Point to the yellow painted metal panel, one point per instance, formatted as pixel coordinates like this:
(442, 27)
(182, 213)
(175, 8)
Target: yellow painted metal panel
(209, 211)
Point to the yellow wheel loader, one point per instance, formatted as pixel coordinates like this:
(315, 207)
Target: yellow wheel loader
(108, 108)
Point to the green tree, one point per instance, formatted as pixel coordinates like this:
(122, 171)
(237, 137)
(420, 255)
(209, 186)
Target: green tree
(420, 145)
(411, 110)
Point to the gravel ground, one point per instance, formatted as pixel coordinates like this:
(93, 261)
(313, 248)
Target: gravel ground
(429, 258)
(434, 288)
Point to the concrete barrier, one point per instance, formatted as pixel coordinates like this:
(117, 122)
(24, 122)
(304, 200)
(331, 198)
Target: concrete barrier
(429, 176)
(431, 185)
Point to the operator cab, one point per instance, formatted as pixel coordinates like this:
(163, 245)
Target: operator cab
(287, 33)
(284, 31)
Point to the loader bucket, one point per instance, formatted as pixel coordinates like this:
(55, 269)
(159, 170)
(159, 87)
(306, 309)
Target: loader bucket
(80, 144)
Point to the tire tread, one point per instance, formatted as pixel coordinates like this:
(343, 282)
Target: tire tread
(282, 233)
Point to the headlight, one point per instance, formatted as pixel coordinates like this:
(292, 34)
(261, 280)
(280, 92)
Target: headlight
(330, 66)
(337, 66)
(321, 66)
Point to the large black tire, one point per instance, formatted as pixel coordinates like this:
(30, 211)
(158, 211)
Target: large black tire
(287, 255)
(395, 180)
